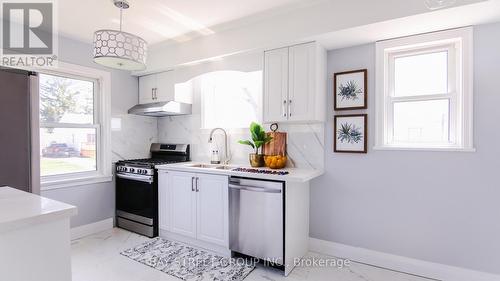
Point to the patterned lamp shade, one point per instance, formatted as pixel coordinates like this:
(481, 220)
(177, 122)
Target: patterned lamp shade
(121, 50)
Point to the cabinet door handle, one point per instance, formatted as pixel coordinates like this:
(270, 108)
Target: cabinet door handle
(289, 108)
(192, 183)
(156, 93)
(284, 108)
(197, 187)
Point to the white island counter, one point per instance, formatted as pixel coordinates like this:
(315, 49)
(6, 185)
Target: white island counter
(34, 237)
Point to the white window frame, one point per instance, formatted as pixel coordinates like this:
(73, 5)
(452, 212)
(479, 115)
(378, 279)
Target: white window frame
(102, 109)
(459, 45)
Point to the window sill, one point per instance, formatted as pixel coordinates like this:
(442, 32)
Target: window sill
(431, 149)
(72, 182)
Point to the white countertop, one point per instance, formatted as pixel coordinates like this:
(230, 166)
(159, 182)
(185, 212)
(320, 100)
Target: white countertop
(19, 209)
(295, 174)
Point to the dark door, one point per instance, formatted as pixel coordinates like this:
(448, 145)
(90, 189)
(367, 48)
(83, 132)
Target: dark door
(15, 167)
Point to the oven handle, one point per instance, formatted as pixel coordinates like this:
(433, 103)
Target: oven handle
(147, 179)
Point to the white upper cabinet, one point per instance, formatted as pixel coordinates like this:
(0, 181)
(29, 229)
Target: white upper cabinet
(301, 82)
(157, 87)
(276, 85)
(147, 85)
(165, 86)
(295, 84)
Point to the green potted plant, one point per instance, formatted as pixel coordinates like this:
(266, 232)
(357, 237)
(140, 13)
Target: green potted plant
(259, 138)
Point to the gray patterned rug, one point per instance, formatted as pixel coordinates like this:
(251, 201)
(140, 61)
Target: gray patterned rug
(188, 263)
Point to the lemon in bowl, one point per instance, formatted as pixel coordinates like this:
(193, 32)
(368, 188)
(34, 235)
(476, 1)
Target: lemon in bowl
(275, 161)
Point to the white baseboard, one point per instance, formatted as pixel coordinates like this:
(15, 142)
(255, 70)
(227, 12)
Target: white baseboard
(399, 263)
(91, 228)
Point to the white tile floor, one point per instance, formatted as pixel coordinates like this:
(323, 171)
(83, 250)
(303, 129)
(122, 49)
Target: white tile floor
(97, 258)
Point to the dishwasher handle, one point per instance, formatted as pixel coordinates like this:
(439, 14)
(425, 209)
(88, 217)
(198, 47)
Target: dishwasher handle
(254, 188)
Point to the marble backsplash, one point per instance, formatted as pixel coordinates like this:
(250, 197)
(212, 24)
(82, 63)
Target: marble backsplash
(132, 135)
(305, 144)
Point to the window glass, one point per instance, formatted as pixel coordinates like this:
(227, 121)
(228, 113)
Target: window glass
(424, 74)
(68, 129)
(421, 121)
(67, 150)
(66, 100)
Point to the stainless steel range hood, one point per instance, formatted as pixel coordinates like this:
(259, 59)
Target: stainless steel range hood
(160, 109)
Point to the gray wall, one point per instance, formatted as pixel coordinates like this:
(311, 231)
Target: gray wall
(436, 206)
(97, 202)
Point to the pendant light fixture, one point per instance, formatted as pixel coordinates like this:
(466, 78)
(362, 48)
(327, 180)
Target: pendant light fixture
(118, 49)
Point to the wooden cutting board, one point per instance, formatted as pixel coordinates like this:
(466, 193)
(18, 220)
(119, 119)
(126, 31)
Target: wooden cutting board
(277, 146)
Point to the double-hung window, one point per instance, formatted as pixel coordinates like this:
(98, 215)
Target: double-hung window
(72, 133)
(424, 92)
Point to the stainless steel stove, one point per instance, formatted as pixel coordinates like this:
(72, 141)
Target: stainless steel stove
(137, 188)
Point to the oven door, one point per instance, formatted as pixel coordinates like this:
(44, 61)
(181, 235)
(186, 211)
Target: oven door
(137, 198)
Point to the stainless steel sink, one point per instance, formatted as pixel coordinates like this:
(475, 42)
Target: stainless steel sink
(211, 166)
(205, 166)
(225, 167)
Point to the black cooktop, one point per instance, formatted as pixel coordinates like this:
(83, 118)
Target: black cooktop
(148, 162)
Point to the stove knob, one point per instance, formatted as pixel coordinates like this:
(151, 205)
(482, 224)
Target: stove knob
(131, 170)
(145, 172)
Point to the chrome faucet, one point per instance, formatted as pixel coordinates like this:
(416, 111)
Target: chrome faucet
(227, 158)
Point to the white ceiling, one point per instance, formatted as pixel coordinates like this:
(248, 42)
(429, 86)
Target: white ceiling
(160, 20)
(469, 15)
(334, 23)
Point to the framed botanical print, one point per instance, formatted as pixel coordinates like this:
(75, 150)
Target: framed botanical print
(349, 89)
(350, 133)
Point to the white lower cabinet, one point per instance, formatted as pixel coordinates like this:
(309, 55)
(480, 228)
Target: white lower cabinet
(163, 205)
(212, 209)
(194, 205)
(182, 202)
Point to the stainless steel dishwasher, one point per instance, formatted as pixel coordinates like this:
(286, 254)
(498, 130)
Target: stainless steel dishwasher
(256, 218)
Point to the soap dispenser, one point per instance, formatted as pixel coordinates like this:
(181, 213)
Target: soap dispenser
(215, 159)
